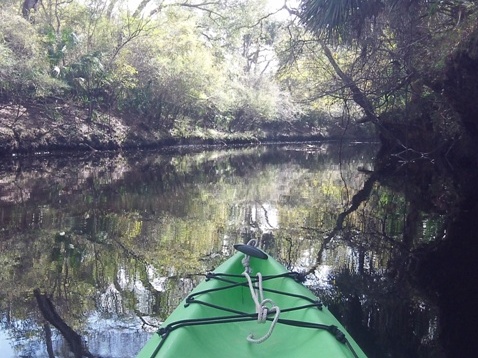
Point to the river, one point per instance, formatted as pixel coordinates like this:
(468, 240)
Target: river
(116, 240)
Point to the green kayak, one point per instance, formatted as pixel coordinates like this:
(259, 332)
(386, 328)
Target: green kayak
(251, 306)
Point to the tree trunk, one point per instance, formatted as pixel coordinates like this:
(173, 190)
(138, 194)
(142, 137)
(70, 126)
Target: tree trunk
(359, 97)
(27, 7)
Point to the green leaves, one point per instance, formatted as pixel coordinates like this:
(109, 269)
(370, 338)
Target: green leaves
(340, 18)
(24, 68)
(188, 66)
(59, 45)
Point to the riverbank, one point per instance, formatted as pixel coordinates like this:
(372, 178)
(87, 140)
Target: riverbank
(35, 127)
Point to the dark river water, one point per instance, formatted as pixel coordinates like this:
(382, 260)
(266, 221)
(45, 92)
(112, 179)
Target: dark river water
(117, 240)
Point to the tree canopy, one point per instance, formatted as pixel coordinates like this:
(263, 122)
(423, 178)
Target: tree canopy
(192, 66)
(402, 61)
(177, 67)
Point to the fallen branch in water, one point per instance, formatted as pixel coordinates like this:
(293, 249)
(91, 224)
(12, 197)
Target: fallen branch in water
(74, 340)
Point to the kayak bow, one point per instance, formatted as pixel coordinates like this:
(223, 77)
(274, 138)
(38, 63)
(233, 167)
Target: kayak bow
(251, 306)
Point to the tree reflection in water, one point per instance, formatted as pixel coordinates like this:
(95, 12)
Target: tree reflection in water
(118, 240)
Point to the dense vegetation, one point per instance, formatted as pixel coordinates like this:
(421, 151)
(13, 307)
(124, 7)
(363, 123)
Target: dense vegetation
(409, 68)
(121, 73)
(175, 69)
(218, 68)
(412, 70)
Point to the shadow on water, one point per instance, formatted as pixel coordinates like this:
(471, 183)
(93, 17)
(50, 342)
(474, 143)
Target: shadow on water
(423, 304)
(448, 270)
(116, 241)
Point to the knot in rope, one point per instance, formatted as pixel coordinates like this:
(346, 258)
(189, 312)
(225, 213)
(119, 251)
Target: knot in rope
(246, 259)
(245, 263)
(263, 306)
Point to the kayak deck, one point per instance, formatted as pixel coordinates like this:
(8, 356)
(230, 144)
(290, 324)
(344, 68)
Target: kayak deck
(219, 315)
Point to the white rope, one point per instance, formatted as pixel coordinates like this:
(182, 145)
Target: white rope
(257, 303)
(246, 259)
(252, 242)
(263, 306)
(251, 338)
(245, 263)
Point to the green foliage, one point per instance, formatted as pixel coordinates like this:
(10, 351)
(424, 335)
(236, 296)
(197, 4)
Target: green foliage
(183, 68)
(384, 59)
(59, 45)
(24, 70)
(86, 74)
(340, 18)
(179, 77)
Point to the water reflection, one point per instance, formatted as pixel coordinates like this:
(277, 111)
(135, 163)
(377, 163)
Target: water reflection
(116, 241)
